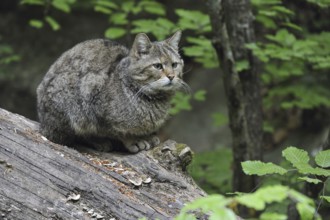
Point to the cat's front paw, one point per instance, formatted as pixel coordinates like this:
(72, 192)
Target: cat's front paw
(142, 144)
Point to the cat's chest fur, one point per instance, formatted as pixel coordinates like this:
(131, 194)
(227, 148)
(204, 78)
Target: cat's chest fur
(135, 115)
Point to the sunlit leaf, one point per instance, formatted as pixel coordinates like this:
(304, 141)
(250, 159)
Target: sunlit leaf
(296, 156)
(273, 216)
(322, 158)
(114, 33)
(36, 23)
(262, 196)
(102, 9)
(107, 4)
(326, 198)
(61, 5)
(119, 18)
(260, 168)
(53, 23)
(310, 180)
(199, 95)
(219, 119)
(33, 2)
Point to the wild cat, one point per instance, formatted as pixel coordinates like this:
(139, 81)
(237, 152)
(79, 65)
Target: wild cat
(100, 91)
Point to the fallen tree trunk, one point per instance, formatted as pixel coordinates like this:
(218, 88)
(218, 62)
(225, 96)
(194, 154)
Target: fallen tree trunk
(43, 180)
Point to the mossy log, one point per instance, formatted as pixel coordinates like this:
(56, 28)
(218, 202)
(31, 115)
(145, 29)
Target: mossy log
(43, 180)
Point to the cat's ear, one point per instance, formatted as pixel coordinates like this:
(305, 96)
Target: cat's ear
(174, 40)
(141, 45)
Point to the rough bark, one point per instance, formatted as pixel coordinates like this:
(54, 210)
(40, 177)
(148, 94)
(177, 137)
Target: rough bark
(232, 29)
(43, 180)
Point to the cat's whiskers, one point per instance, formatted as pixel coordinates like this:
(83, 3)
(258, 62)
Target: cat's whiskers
(185, 88)
(139, 92)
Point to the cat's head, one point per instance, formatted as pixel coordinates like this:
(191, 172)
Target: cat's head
(156, 67)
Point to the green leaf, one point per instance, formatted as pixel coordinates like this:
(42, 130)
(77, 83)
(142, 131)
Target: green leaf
(107, 4)
(119, 18)
(296, 156)
(299, 159)
(299, 197)
(219, 119)
(160, 28)
(61, 5)
(207, 165)
(180, 102)
(202, 51)
(260, 168)
(326, 198)
(319, 171)
(323, 158)
(273, 216)
(36, 23)
(194, 20)
(242, 65)
(155, 10)
(102, 9)
(114, 33)
(293, 26)
(199, 95)
(32, 2)
(128, 6)
(310, 180)
(53, 23)
(214, 205)
(306, 211)
(262, 196)
(153, 7)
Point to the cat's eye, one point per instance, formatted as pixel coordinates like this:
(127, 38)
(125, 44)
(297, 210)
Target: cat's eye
(174, 65)
(158, 66)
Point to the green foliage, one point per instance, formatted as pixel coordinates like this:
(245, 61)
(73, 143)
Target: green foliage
(36, 23)
(202, 51)
(260, 168)
(263, 196)
(60, 5)
(7, 55)
(160, 28)
(214, 205)
(193, 20)
(294, 60)
(323, 158)
(124, 18)
(217, 206)
(272, 216)
(211, 170)
(271, 14)
(63, 5)
(321, 3)
(297, 157)
(294, 95)
(300, 160)
(219, 119)
(114, 33)
(181, 101)
(310, 180)
(326, 198)
(53, 23)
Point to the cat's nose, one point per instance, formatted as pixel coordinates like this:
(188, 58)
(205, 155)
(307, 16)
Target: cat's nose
(170, 77)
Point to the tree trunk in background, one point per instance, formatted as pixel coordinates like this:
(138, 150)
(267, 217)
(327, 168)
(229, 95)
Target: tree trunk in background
(232, 24)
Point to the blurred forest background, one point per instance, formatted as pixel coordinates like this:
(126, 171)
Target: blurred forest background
(292, 44)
